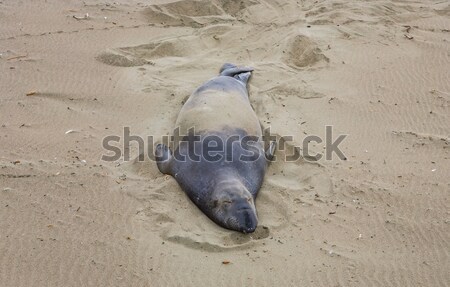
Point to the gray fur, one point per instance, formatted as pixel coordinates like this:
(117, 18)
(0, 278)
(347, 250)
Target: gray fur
(224, 188)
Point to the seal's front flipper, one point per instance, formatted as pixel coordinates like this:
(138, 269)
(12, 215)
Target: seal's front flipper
(270, 152)
(163, 157)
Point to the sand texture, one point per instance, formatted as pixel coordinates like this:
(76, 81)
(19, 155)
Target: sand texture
(377, 71)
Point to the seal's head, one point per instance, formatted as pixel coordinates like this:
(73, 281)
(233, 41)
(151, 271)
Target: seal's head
(233, 207)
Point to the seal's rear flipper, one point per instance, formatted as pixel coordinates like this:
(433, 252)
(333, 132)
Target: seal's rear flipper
(163, 157)
(270, 152)
(227, 66)
(231, 72)
(240, 73)
(243, 77)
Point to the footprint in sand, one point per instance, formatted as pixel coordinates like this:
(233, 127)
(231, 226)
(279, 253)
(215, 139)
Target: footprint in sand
(302, 52)
(144, 54)
(140, 55)
(116, 58)
(204, 39)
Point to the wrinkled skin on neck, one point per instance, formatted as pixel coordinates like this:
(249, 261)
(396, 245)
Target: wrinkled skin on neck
(233, 206)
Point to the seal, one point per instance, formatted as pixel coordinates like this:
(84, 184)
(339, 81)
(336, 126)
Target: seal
(218, 155)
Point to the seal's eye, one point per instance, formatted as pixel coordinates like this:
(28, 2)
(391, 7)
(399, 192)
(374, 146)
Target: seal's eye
(227, 201)
(249, 199)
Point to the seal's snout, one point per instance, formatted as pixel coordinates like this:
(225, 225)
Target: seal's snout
(234, 206)
(247, 220)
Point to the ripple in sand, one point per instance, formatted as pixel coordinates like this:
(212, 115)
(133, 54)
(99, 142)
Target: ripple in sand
(294, 90)
(214, 241)
(196, 13)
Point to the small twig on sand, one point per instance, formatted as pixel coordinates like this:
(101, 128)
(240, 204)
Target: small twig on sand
(409, 37)
(85, 17)
(407, 28)
(17, 57)
(31, 93)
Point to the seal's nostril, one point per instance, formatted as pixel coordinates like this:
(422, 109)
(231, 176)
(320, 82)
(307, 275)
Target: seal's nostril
(250, 229)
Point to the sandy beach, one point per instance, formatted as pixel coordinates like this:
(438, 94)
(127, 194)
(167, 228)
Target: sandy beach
(75, 72)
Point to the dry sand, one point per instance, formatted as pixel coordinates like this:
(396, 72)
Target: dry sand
(375, 70)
